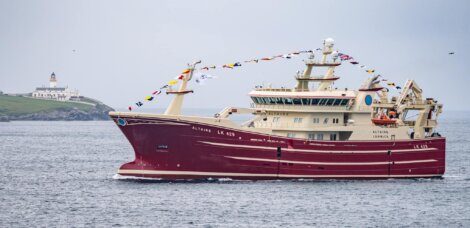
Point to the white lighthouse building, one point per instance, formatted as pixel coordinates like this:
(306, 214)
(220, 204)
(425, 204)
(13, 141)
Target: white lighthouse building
(55, 93)
(52, 81)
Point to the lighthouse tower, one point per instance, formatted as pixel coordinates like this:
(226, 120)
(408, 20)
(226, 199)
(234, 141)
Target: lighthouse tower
(52, 81)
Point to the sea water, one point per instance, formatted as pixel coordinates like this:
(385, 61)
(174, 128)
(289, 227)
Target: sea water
(64, 174)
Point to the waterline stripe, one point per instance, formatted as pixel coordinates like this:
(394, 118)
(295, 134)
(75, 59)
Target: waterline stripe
(197, 173)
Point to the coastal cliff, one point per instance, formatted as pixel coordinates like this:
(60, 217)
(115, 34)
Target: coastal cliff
(27, 108)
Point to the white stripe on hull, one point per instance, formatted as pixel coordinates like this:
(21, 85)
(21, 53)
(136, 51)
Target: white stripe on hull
(316, 151)
(332, 163)
(219, 174)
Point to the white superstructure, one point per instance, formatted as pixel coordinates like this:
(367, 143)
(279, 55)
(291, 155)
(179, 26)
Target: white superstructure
(315, 110)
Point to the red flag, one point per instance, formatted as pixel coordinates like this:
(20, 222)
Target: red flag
(130, 108)
(181, 77)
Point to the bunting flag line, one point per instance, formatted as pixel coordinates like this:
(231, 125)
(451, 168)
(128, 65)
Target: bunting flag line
(201, 78)
(238, 64)
(345, 57)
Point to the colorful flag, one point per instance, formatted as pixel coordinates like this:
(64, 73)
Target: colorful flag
(370, 71)
(200, 78)
(148, 98)
(164, 87)
(173, 82)
(130, 108)
(181, 77)
(398, 87)
(237, 64)
(205, 68)
(186, 71)
(354, 62)
(267, 58)
(253, 60)
(345, 57)
(287, 56)
(391, 84)
(156, 92)
(139, 104)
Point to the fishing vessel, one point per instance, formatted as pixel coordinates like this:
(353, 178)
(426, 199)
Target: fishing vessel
(311, 131)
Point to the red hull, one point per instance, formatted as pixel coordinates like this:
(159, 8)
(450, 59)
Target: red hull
(171, 149)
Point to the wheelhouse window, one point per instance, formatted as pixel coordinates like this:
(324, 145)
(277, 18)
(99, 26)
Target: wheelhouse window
(291, 135)
(287, 100)
(329, 102)
(316, 120)
(301, 101)
(306, 101)
(337, 102)
(315, 101)
(297, 101)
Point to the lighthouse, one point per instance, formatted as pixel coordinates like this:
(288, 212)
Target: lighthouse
(52, 81)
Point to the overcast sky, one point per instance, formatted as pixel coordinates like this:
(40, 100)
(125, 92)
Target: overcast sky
(126, 49)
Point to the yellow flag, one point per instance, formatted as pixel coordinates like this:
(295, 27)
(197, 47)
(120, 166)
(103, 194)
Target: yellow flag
(173, 82)
(186, 71)
(370, 71)
(391, 84)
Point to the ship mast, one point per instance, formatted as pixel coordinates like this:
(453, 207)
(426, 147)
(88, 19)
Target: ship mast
(175, 106)
(325, 80)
